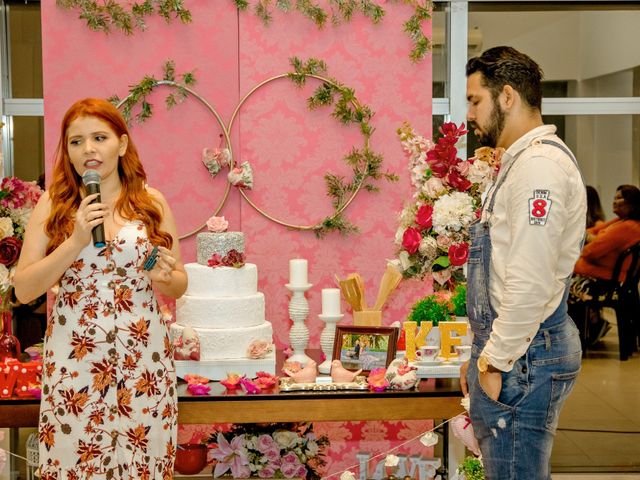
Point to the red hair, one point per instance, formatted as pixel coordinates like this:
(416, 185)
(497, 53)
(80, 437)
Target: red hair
(134, 202)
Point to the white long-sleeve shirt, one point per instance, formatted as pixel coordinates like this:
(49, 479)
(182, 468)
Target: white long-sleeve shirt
(537, 226)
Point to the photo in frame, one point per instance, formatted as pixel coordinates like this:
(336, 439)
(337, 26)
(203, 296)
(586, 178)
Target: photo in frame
(365, 347)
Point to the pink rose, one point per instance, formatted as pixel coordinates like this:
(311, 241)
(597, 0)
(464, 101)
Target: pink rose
(249, 386)
(10, 250)
(265, 443)
(259, 349)
(267, 472)
(233, 258)
(289, 469)
(443, 241)
(463, 168)
(458, 253)
(198, 389)
(423, 217)
(217, 224)
(411, 240)
(215, 260)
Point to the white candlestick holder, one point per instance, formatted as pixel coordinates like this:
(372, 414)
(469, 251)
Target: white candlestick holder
(327, 338)
(299, 333)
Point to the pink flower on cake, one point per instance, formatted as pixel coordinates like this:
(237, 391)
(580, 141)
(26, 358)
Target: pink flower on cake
(217, 224)
(259, 349)
(234, 259)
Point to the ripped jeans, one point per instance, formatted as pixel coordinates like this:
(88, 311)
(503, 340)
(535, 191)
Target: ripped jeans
(516, 432)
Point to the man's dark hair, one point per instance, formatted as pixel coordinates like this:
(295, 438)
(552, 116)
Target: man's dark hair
(631, 196)
(502, 66)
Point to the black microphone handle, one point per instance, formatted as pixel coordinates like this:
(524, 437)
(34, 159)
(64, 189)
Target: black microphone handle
(98, 231)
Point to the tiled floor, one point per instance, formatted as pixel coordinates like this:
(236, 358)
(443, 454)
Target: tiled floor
(599, 429)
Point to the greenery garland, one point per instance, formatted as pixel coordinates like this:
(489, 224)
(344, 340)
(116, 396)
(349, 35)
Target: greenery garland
(342, 11)
(138, 93)
(109, 13)
(365, 163)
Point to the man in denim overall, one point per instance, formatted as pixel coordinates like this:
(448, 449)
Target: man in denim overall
(526, 350)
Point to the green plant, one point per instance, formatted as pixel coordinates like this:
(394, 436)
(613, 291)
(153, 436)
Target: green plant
(459, 300)
(433, 308)
(471, 468)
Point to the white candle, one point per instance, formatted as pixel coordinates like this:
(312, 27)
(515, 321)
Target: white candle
(331, 301)
(298, 272)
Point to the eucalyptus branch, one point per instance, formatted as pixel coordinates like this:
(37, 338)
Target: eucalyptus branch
(342, 11)
(105, 16)
(139, 92)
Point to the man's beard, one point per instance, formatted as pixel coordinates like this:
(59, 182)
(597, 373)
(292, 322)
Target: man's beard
(494, 128)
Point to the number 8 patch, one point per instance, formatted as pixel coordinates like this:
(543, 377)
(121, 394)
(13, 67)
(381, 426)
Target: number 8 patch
(539, 207)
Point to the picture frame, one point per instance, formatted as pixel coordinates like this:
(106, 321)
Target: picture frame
(365, 347)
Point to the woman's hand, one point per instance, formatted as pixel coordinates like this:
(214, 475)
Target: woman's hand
(164, 266)
(87, 217)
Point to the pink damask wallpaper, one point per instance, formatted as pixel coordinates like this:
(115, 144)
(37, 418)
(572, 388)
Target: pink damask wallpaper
(289, 147)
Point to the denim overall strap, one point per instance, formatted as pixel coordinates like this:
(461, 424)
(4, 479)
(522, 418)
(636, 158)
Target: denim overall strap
(479, 308)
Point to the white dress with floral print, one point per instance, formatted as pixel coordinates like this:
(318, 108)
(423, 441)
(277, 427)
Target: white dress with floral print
(109, 405)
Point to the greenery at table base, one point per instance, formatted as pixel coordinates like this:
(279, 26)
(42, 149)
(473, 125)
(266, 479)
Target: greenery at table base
(105, 15)
(341, 11)
(472, 469)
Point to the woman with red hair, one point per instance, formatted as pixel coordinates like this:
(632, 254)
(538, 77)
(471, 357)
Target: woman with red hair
(109, 407)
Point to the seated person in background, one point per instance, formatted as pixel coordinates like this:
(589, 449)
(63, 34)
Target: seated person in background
(595, 214)
(597, 260)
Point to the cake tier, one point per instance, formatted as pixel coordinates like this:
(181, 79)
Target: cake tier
(208, 243)
(221, 281)
(226, 343)
(220, 369)
(217, 313)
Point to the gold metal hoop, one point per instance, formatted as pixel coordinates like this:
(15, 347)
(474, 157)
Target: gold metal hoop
(224, 131)
(318, 225)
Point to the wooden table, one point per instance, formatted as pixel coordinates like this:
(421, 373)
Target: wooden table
(434, 398)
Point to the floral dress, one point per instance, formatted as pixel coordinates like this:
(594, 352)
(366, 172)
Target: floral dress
(109, 405)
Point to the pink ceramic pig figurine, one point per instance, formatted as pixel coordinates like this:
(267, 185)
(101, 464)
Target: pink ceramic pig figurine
(341, 374)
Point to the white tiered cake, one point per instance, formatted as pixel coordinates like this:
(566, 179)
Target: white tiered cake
(223, 308)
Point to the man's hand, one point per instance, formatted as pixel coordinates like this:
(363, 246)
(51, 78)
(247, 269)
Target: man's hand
(463, 378)
(491, 383)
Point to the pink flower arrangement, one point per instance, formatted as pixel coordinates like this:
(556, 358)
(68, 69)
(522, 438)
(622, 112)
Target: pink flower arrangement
(17, 200)
(433, 236)
(278, 450)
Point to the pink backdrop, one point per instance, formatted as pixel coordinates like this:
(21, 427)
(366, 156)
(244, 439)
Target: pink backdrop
(289, 147)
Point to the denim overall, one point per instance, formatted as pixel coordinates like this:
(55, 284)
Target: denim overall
(516, 432)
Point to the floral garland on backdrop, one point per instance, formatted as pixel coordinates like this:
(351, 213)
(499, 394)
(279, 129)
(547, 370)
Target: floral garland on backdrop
(17, 200)
(433, 235)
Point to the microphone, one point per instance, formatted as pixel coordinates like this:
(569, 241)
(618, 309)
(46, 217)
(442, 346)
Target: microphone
(91, 180)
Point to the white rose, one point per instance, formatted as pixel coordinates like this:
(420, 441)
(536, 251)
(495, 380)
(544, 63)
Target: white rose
(347, 475)
(285, 438)
(405, 261)
(21, 216)
(428, 247)
(5, 278)
(6, 227)
(433, 187)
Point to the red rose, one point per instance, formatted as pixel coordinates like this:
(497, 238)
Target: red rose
(10, 250)
(411, 240)
(458, 253)
(458, 182)
(423, 218)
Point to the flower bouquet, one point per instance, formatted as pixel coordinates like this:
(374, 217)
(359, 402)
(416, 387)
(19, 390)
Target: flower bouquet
(433, 236)
(280, 450)
(17, 200)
